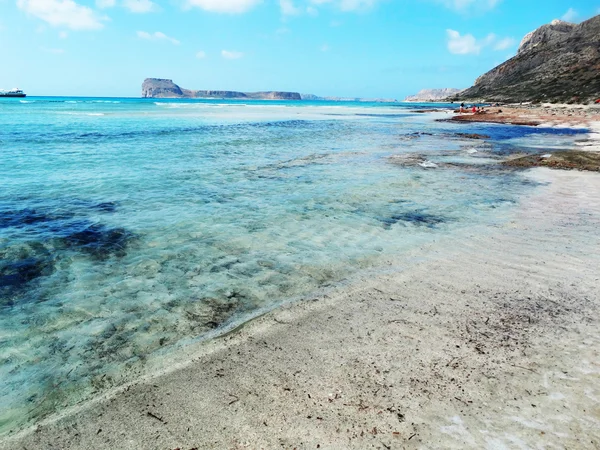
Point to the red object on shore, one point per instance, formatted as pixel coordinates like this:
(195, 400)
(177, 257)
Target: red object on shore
(598, 101)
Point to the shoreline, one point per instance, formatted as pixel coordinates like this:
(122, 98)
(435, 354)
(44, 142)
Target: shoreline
(431, 354)
(412, 339)
(549, 115)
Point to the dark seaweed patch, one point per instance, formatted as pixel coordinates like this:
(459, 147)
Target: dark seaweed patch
(19, 268)
(15, 274)
(99, 241)
(414, 217)
(105, 207)
(25, 217)
(47, 235)
(66, 230)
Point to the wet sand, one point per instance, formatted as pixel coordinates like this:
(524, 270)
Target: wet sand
(490, 340)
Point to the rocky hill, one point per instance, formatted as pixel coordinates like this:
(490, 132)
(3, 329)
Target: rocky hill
(558, 62)
(162, 88)
(432, 95)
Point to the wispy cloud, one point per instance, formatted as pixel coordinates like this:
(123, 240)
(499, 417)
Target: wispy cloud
(224, 6)
(467, 5)
(54, 51)
(63, 13)
(140, 6)
(288, 8)
(63, 35)
(201, 54)
(325, 48)
(348, 5)
(312, 11)
(467, 44)
(157, 36)
(505, 43)
(229, 54)
(570, 15)
(103, 4)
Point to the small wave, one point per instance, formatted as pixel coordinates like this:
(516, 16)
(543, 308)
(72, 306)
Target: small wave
(27, 101)
(95, 114)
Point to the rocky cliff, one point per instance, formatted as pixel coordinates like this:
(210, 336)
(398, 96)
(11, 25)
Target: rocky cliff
(162, 88)
(432, 95)
(559, 62)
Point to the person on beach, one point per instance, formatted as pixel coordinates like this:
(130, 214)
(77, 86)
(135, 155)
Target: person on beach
(462, 108)
(474, 109)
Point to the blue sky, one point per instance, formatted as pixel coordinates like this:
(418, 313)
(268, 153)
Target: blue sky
(363, 48)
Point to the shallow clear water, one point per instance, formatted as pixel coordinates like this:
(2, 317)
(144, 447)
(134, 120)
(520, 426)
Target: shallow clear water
(131, 227)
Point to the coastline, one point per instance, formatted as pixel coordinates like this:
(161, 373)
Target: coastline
(550, 115)
(431, 354)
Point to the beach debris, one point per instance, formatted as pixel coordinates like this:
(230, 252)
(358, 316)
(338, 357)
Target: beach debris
(546, 156)
(428, 165)
(154, 416)
(471, 151)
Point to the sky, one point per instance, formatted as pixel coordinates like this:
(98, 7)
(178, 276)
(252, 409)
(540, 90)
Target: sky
(348, 48)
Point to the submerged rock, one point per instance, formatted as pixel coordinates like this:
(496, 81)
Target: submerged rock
(568, 160)
(418, 218)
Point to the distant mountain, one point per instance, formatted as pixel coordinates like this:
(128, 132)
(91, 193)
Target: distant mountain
(432, 95)
(347, 99)
(162, 88)
(559, 62)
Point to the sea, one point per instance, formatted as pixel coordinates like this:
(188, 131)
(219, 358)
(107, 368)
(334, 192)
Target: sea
(132, 229)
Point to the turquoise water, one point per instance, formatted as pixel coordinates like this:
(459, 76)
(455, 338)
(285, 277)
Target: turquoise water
(130, 228)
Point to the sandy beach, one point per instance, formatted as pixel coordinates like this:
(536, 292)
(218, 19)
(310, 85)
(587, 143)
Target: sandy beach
(486, 340)
(536, 115)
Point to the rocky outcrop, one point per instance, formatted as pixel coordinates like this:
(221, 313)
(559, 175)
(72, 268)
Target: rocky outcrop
(557, 63)
(553, 31)
(162, 88)
(432, 95)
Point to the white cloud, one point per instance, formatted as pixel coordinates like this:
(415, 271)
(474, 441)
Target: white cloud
(468, 45)
(348, 5)
(63, 35)
(570, 15)
(228, 54)
(54, 51)
(157, 36)
(505, 43)
(465, 5)
(462, 45)
(140, 6)
(63, 13)
(201, 54)
(224, 6)
(288, 8)
(103, 4)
